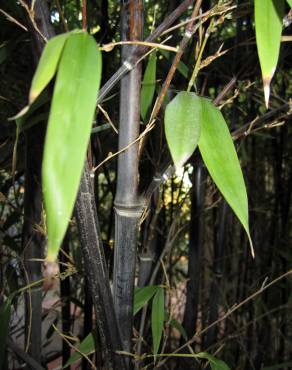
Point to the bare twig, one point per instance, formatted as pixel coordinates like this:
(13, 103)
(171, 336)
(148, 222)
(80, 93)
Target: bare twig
(229, 312)
(13, 20)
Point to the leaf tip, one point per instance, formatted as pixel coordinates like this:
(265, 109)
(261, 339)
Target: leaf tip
(251, 247)
(267, 82)
(19, 114)
(32, 96)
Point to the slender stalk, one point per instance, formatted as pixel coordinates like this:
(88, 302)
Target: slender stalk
(31, 362)
(97, 274)
(32, 240)
(195, 249)
(87, 317)
(84, 15)
(128, 205)
(218, 271)
(139, 51)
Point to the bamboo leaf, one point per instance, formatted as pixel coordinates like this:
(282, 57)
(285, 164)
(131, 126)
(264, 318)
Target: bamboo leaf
(142, 296)
(178, 326)
(220, 157)
(181, 67)
(47, 65)
(148, 85)
(290, 3)
(182, 126)
(5, 313)
(268, 25)
(215, 364)
(157, 318)
(86, 346)
(69, 126)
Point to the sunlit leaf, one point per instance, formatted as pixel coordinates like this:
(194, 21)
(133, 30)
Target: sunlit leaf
(220, 157)
(182, 126)
(47, 65)
(157, 318)
(215, 364)
(142, 296)
(5, 312)
(69, 126)
(86, 346)
(148, 85)
(290, 3)
(268, 25)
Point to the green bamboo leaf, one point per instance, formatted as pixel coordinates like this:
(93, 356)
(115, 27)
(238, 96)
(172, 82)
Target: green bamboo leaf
(220, 157)
(290, 3)
(5, 313)
(86, 347)
(182, 126)
(181, 67)
(69, 126)
(148, 85)
(142, 296)
(47, 65)
(157, 318)
(268, 25)
(215, 364)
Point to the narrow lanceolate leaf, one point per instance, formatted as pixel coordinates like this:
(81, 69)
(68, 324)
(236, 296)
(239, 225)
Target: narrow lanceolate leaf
(47, 65)
(71, 115)
(214, 362)
(290, 3)
(142, 296)
(182, 126)
(5, 312)
(220, 157)
(157, 319)
(268, 25)
(86, 347)
(148, 85)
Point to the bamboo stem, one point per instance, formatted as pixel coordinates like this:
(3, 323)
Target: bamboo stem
(128, 205)
(97, 274)
(140, 50)
(195, 249)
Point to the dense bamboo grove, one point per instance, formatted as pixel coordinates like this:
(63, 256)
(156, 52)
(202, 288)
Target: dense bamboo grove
(154, 263)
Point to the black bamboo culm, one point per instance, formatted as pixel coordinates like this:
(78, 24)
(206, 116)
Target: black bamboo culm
(138, 51)
(195, 248)
(89, 236)
(128, 205)
(87, 324)
(32, 240)
(219, 244)
(97, 274)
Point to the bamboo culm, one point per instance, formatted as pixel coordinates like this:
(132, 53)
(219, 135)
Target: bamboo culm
(128, 205)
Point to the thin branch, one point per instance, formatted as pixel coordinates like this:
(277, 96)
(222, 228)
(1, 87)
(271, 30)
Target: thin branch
(33, 364)
(141, 49)
(229, 312)
(13, 20)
